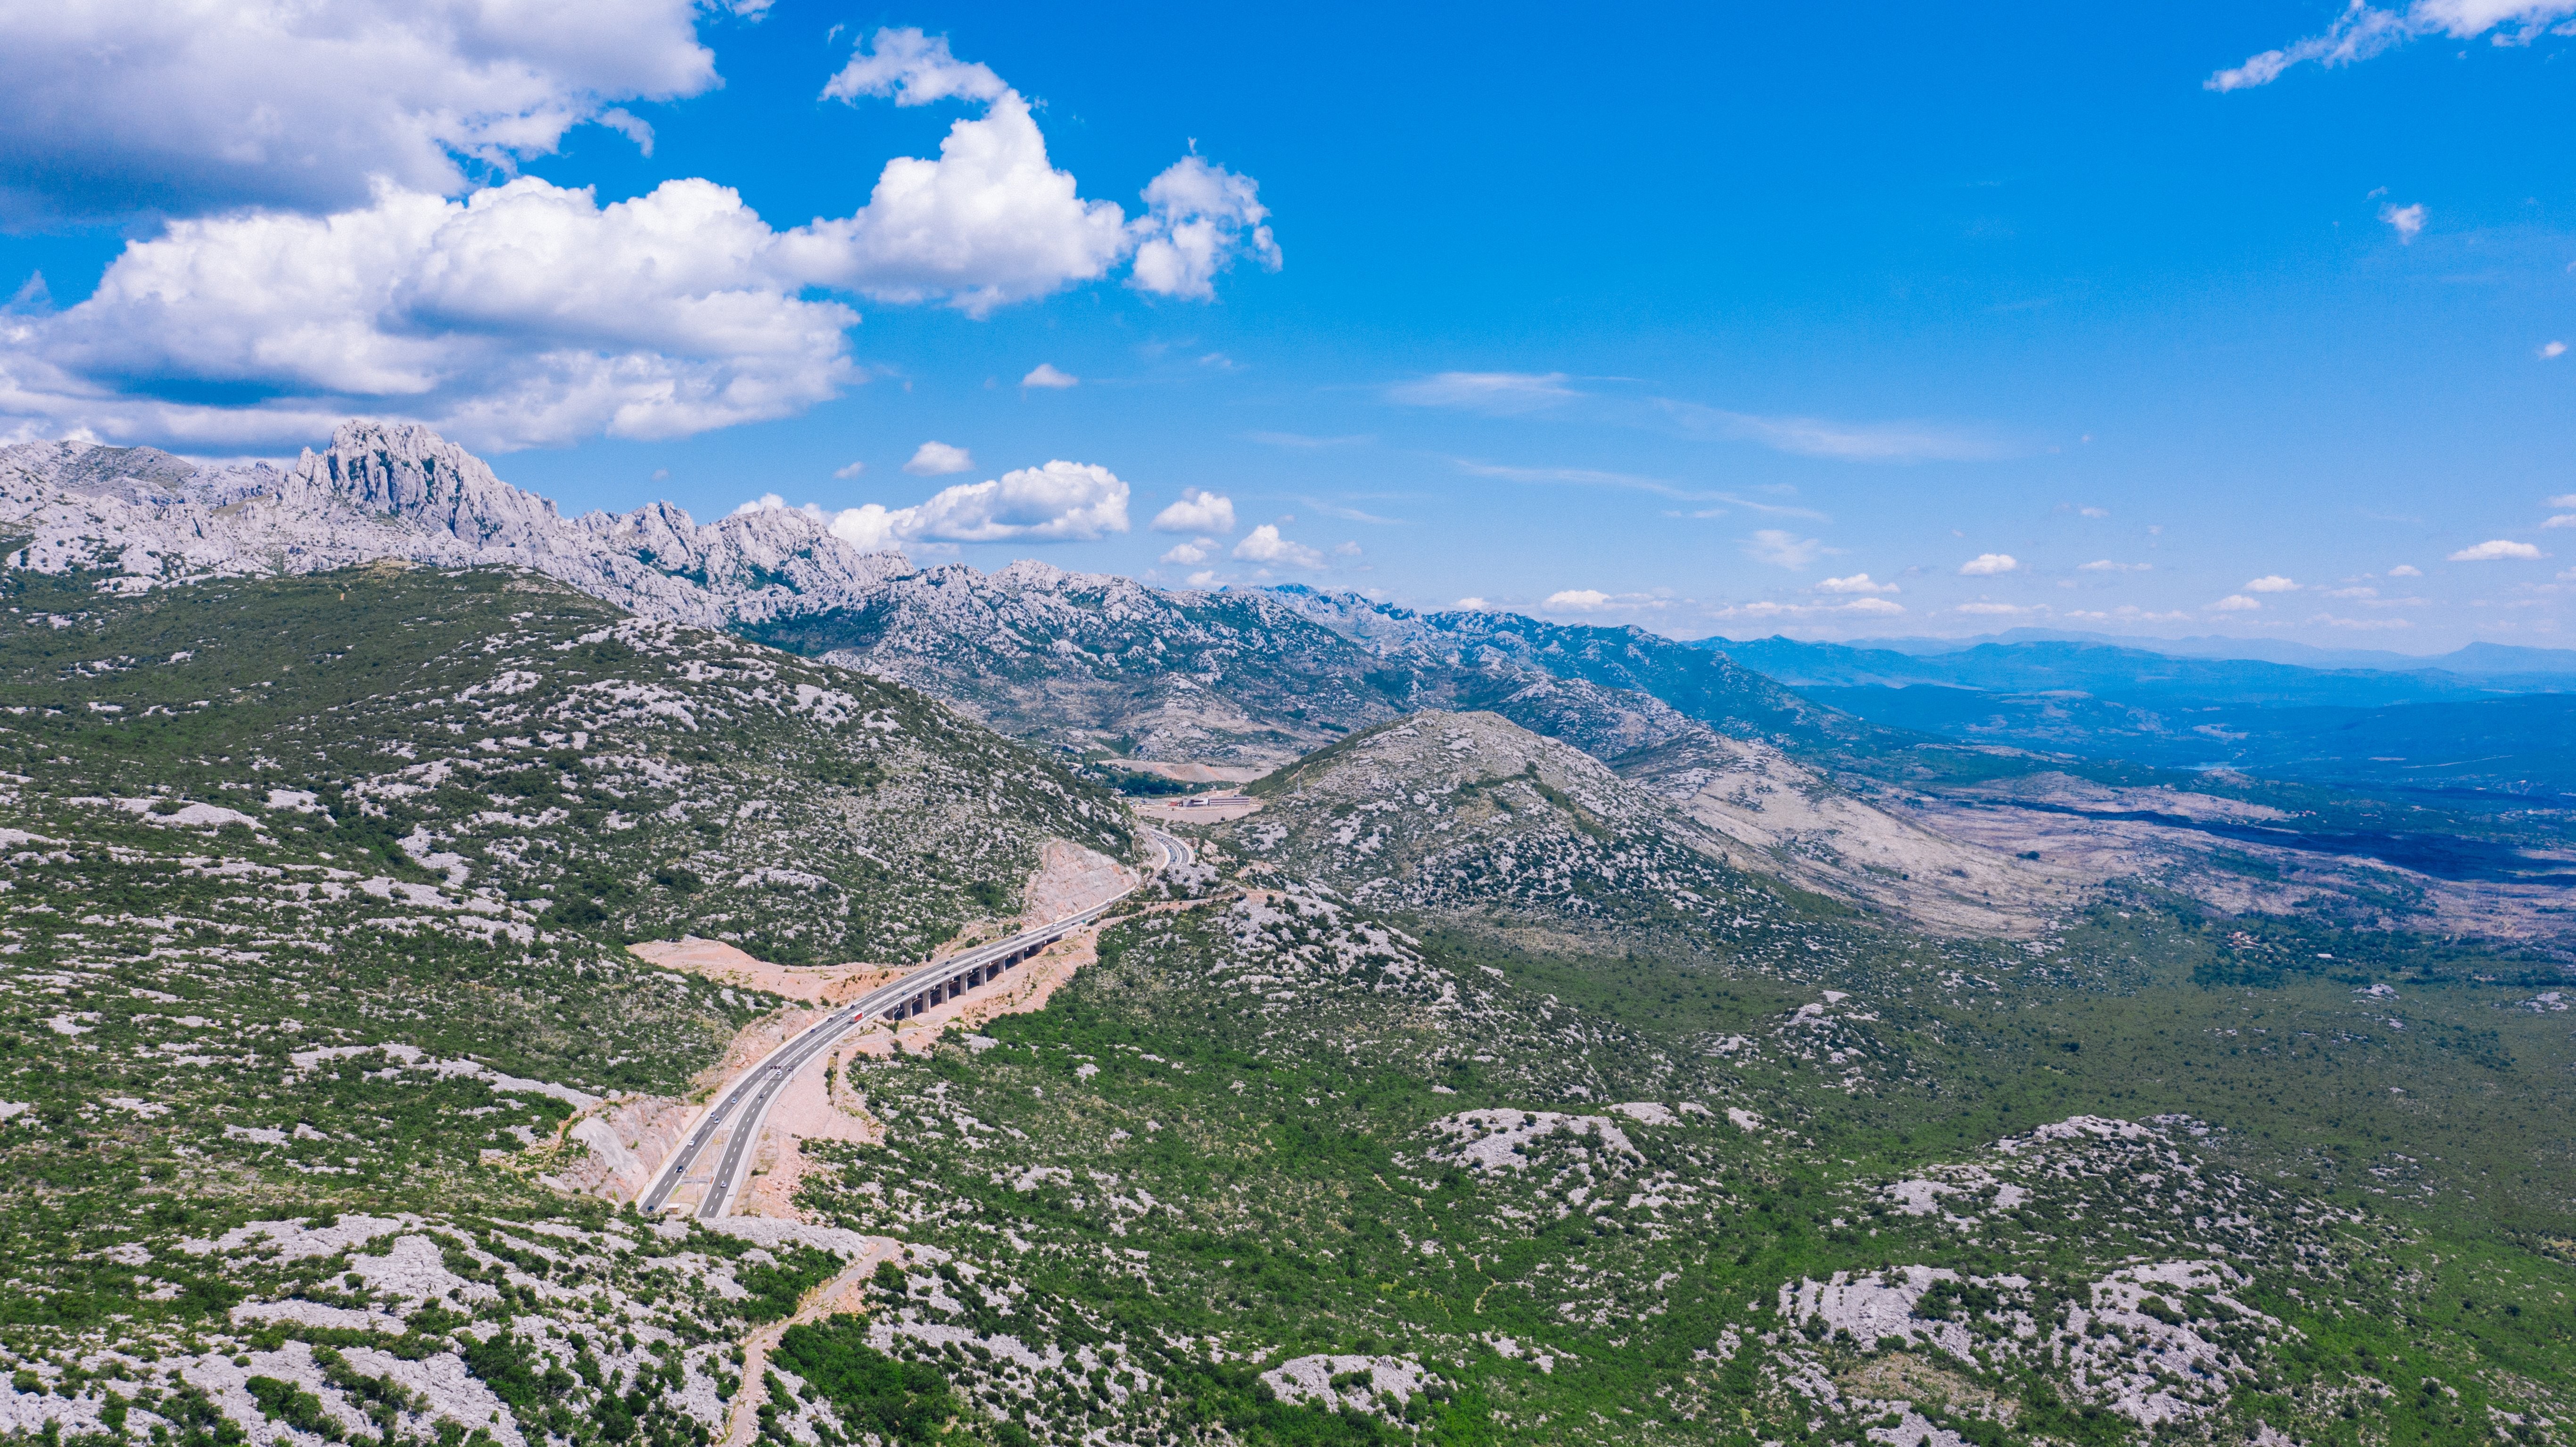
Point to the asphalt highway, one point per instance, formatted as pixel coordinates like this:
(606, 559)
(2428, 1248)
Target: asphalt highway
(748, 1098)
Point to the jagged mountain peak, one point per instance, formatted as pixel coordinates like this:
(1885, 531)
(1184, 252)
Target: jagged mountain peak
(394, 489)
(408, 470)
(90, 469)
(1074, 658)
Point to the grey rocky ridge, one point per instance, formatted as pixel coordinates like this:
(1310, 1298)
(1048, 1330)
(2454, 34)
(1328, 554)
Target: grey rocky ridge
(1582, 1038)
(1260, 675)
(1093, 663)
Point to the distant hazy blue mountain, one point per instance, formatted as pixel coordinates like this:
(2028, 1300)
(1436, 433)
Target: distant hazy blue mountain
(2502, 720)
(2109, 671)
(2476, 660)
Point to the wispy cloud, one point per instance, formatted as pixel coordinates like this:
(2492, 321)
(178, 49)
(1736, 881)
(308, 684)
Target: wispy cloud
(2129, 613)
(2364, 30)
(1843, 441)
(1784, 549)
(1771, 609)
(1500, 392)
(1302, 441)
(1596, 477)
(1346, 513)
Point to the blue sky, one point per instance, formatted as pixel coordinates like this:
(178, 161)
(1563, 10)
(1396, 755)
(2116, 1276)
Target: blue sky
(1927, 322)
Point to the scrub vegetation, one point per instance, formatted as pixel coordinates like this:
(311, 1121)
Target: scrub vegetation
(1449, 1099)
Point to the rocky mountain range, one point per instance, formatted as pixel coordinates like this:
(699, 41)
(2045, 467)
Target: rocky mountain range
(1108, 669)
(1091, 664)
(1571, 1048)
(1084, 660)
(400, 491)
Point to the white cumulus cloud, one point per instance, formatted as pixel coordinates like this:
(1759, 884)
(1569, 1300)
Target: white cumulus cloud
(2561, 520)
(2495, 549)
(1198, 219)
(525, 313)
(1264, 545)
(2551, 351)
(2408, 221)
(194, 107)
(1045, 374)
(991, 221)
(913, 69)
(1987, 565)
(2234, 603)
(2406, 570)
(1059, 502)
(2105, 565)
(1191, 553)
(2271, 583)
(1197, 511)
(938, 459)
(1856, 583)
(851, 471)
(1577, 600)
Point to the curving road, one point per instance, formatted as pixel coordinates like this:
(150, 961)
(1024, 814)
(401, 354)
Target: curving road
(748, 1098)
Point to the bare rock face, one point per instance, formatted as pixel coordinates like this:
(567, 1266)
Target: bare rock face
(1076, 659)
(398, 490)
(407, 471)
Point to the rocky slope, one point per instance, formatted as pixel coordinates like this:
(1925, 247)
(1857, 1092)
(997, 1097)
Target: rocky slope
(401, 491)
(316, 892)
(1107, 667)
(1466, 817)
(1082, 660)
